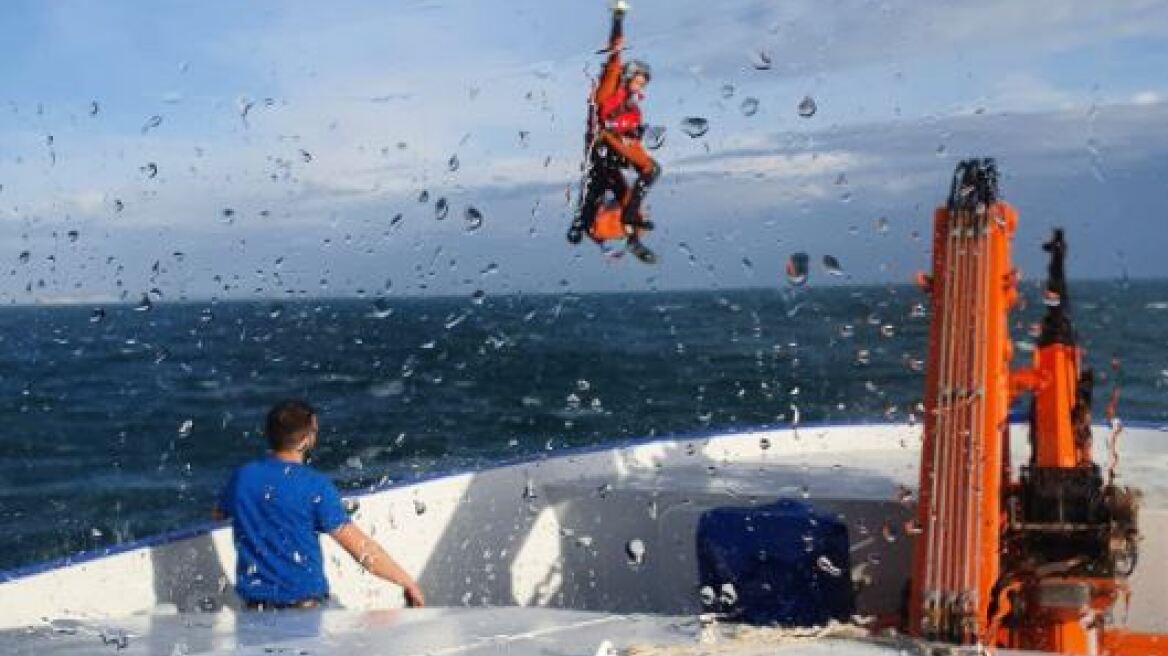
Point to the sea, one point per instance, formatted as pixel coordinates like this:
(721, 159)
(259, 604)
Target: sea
(121, 422)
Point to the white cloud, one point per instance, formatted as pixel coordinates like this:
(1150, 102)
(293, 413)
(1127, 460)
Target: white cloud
(773, 166)
(1029, 91)
(1147, 97)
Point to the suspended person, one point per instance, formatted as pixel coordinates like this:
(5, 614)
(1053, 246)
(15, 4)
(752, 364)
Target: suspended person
(613, 143)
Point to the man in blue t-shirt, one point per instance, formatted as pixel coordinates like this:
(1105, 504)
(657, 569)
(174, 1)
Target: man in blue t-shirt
(278, 507)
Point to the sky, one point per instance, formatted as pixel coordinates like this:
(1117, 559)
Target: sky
(212, 148)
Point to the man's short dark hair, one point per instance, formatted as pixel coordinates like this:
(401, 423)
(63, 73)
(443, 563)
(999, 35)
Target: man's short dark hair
(288, 422)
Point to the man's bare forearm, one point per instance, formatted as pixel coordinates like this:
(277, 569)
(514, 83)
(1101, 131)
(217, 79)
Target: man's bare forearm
(377, 561)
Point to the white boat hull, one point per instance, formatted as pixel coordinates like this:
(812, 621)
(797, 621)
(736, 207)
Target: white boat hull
(554, 532)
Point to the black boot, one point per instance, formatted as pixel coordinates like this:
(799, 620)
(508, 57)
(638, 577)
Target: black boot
(631, 216)
(576, 231)
(641, 251)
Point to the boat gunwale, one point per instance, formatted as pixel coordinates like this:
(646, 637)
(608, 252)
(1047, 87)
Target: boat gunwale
(209, 526)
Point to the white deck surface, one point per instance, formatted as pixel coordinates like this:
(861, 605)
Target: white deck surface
(446, 632)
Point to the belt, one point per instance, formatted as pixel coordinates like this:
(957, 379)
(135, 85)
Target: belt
(300, 604)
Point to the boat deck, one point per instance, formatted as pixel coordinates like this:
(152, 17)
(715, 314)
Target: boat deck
(532, 557)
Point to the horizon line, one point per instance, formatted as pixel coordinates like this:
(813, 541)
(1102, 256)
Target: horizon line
(105, 302)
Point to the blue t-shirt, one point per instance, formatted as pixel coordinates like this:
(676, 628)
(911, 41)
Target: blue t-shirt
(277, 510)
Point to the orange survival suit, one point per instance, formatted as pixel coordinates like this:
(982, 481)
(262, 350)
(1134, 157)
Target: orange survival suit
(613, 143)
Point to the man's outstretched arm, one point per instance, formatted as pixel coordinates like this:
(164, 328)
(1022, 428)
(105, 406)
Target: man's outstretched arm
(366, 551)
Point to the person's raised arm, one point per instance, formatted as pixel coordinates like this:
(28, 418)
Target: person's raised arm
(616, 38)
(369, 554)
(610, 78)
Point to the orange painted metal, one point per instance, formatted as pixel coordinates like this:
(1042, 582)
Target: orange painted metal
(1055, 395)
(956, 560)
(992, 564)
(1126, 643)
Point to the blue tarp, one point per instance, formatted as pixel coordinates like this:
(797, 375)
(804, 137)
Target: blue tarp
(788, 564)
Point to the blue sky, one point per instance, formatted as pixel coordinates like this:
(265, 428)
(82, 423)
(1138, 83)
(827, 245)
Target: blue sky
(292, 133)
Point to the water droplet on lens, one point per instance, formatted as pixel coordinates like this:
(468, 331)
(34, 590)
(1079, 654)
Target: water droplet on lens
(797, 269)
(144, 305)
(749, 107)
(97, 316)
(24, 257)
(151, 123)
(150, 170)
(478, 297)
(654, 137)
(441, 209)
(728, 596)
(474, 219)
(453, 163)
(119, 205)
(695, 126)
(826, 566)
(832, 265)
(424, 196)
(117, 639)
(706, 594)
(882, 225)
(904, 495)
(727, 91)
(888, 330)
(94, 108)
(185, 428)
(635, 550)
(381, 309)
(807, 107)
(761, 60)
(305, 156)
(863, 357)
(419, 507)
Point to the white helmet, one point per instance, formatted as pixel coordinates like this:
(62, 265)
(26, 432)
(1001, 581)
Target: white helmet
(636, 67)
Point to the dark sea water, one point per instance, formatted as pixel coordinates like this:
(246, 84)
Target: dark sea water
(123, 425)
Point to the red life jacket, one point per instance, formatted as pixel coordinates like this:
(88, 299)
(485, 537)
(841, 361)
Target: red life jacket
(619, 113)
